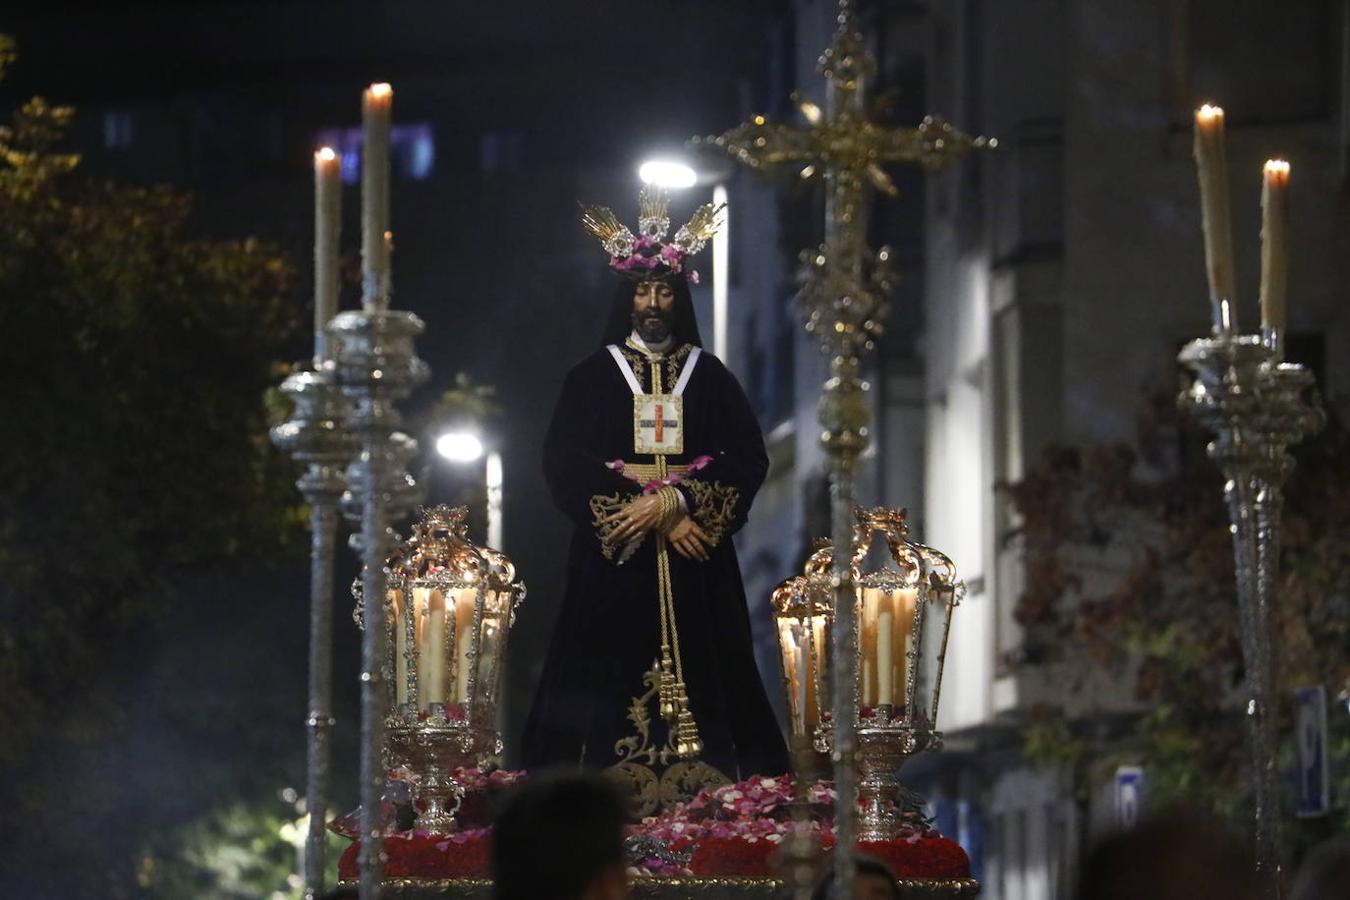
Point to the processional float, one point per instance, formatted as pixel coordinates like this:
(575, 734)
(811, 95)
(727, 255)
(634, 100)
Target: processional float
(432, 650)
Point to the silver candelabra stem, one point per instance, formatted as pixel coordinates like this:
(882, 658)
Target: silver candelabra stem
(316, 435)
(376, 367)
(1253, 402)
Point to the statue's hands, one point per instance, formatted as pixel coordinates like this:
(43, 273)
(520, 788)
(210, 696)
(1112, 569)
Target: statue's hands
(688, 539)
(638, 517)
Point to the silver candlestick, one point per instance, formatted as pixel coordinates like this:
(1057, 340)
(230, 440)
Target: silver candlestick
(399, 491)
(1254, 403)
(377, 366)
(316, 435)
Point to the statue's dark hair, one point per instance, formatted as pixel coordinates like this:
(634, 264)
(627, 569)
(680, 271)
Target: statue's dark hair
(619, 324)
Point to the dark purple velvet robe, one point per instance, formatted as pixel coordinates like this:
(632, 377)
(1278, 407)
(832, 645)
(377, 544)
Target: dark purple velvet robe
(608, 631)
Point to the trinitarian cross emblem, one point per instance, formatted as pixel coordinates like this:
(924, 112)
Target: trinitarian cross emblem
(658, 424)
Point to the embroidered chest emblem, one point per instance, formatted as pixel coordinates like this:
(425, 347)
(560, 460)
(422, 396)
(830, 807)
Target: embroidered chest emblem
(658, 424)
(658, 418)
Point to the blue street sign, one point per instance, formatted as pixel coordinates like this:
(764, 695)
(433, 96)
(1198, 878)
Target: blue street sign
(1310, 730)
(1129, 795)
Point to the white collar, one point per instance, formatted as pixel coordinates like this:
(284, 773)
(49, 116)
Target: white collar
(664, 347)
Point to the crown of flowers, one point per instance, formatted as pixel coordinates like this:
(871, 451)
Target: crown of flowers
(648, 253)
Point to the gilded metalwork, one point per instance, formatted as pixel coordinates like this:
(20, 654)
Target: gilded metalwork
(890, 732)
(457, 726)
(653, 224)
(1254, 403)
(844, 294)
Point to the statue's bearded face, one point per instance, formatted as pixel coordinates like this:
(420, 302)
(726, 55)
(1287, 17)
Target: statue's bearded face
(653, 311)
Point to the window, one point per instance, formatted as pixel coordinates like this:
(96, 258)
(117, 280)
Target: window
(119, 129)
(412, 150)
(500, 151)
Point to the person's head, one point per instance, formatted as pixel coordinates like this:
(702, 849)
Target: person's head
(1180, 857)
(1325, 872)
(656, 308)
(871, 881)
(560, 835)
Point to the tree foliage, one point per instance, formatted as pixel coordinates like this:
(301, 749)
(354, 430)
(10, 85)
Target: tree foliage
(1130, 575)
(135, 468)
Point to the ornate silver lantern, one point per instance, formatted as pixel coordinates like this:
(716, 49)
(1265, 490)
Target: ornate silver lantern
(450, 605)
(905, 594)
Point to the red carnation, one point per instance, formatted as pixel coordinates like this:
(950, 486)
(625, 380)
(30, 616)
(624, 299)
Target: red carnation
(731, 856)
(932, 856)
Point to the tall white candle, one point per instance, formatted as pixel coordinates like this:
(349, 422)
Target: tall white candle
(885, 667)
(1211, 161)
(375, 118)
(433, 652)
(872, 601)
(802, 676)
(464, 609)
(905, 601)
(327, 219)
(1274, 243)
(814, 668)
(400, 648)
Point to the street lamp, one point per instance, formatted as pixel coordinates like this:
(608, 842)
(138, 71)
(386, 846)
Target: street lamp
(466, 447)
(676, 175)
(668, 173)
(460, 446)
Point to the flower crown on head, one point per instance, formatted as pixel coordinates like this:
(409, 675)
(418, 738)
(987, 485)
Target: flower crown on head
(647, 254)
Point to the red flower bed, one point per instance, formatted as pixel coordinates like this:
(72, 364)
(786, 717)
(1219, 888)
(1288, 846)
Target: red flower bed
(730, 856)
(928, 856)
(460, 855)
(931, 856)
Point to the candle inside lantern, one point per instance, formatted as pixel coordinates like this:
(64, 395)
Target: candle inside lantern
(400, 648)
(815, 668)
(1212, 164)
(887, 615)
(327, 216)
(802, 676)
(375, 117)
(464, 611)
(431, 665)
(1274, 244)
(884, 663)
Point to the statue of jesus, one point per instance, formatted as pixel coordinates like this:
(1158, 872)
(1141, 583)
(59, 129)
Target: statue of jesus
(655, 454)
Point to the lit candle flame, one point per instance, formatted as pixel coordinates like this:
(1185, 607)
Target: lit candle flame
(1209, 113)
(327, 154)
(1277, 167)
(380, 89)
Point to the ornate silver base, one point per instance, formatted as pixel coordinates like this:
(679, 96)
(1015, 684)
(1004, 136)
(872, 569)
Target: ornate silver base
(1253, 402)
(880, 755)
(431, 753)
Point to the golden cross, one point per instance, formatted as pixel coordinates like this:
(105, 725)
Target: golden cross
(844, 302)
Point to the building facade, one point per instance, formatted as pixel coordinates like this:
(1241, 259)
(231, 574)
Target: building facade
(1052, 283)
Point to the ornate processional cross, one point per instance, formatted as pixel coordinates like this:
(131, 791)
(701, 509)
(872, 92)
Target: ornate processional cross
(844, 291)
